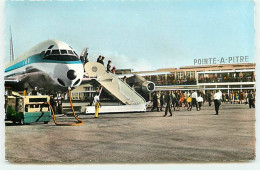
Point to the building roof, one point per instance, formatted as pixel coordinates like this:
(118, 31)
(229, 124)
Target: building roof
(204, 68)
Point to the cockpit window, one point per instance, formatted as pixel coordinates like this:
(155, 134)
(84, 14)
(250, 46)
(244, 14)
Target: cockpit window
(61, 57)
(55, 51)
(63, 51)
(70, 52)
(51, 46)
(47, 53)
(75, 53)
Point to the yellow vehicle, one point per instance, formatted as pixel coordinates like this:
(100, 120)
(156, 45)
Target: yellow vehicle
(28, 109)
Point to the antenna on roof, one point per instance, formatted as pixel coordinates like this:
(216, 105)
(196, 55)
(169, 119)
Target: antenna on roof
(11, 46)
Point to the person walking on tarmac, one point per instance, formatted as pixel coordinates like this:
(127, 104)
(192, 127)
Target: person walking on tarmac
(173, 98)
(217, 100)
(161, 101)
(58, 100)
(97, 104)
(53, 104)
(178, 102)
(199, 102)
(251, 100)
(168, 104)
(194, 96)
(189, 105)
(209, 98)
(155, 103)
(98, 90)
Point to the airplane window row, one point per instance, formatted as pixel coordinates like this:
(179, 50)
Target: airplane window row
(62, 58)
(59, 52)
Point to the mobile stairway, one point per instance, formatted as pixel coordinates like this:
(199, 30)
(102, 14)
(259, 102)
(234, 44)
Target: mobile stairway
(130, 99)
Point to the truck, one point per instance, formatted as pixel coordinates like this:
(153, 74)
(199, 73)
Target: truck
(27, 109)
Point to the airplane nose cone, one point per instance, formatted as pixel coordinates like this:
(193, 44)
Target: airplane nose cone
(71, 74)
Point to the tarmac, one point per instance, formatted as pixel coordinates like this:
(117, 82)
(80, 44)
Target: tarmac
(188, 136)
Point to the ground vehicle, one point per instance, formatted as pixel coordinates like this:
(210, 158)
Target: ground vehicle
(27, 109)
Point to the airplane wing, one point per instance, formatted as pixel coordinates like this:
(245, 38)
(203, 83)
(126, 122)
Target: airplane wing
(17, 77)
(19, 82)
(123, 75)
(143, 74)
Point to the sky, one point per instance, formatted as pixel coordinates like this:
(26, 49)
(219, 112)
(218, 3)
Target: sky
(140, 35)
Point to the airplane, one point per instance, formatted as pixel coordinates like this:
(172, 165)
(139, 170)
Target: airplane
(52, 66)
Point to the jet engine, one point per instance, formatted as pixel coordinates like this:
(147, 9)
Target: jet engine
(140, 84)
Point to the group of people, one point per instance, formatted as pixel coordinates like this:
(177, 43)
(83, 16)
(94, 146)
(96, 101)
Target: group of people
(171, 80)
(177, 99)
(100, 59)
(35, 91)
(109, 69)
(226, 79)
(235, 97)
(173, 100)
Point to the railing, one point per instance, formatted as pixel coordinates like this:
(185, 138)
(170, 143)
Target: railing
(125, 84)
(76, 94)
(225, 80)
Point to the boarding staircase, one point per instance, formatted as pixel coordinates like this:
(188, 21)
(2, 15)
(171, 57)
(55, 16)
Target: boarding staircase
(113, 84)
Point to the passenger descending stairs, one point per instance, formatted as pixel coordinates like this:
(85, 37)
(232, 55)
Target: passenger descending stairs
(112, 84)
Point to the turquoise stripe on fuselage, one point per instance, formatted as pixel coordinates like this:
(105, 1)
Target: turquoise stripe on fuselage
(37, 59)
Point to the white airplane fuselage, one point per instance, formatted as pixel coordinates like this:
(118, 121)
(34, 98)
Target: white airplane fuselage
(52, 66)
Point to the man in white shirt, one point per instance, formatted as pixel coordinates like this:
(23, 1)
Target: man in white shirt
(34, 92)
(199, 100)
(97, 104)
(194, 96)
(217, 100)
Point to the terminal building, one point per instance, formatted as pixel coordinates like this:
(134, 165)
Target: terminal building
(226, 77)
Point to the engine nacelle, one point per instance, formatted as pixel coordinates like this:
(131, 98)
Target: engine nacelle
(148, 87)
(141, 85)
